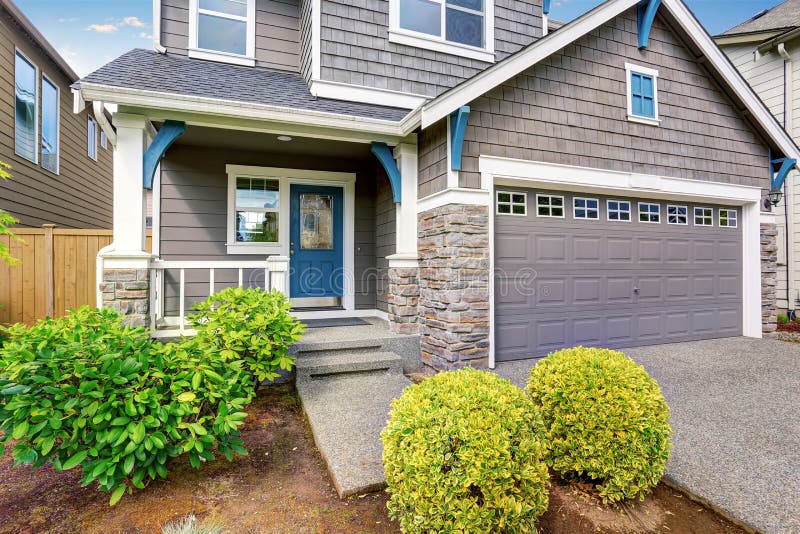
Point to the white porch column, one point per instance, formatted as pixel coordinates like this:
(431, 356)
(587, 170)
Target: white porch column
(406, 221)
(129, 205)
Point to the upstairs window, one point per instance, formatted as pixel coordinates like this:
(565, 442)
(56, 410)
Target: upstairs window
(223, 30)
(50, 141)
(458, 27)
(91, 138)
(25, 108)
(642, 94)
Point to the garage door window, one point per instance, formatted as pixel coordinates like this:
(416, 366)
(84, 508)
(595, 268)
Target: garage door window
(728, 218)
(703, 216)
(549, 206)
(509, 203)
(586, 208)
(677, 215)
(619, 210)
(649, 213)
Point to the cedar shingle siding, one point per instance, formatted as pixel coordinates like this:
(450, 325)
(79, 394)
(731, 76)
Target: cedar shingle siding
(80, 195)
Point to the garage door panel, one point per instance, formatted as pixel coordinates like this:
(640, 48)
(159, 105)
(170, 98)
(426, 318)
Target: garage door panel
(565, 282)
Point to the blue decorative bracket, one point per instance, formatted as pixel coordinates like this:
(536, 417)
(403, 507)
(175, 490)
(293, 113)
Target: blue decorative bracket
(778, 175)
(646, 14)
(546, 7)
(385, 156)
(458, 127)
(167, 135)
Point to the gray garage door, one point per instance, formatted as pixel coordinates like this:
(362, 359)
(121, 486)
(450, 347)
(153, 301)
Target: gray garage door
(580, 269)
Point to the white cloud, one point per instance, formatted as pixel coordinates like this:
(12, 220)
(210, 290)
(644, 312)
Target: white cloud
(68, 53)
(145, 35)
(132, 21)
(62, 20)
(101, 28)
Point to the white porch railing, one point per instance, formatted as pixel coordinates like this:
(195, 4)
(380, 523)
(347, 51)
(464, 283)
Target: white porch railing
(275, 278)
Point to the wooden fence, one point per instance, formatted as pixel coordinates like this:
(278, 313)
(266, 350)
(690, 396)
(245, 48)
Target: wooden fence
(56, 272)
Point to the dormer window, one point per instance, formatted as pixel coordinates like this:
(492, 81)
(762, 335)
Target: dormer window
(459, 27)
(223, 30)
(642, 94)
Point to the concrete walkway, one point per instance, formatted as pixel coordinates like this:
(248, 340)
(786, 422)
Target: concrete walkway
(736, 419)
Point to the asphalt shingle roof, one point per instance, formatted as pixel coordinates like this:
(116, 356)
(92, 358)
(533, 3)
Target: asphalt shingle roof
(151, 71)
(783, 16)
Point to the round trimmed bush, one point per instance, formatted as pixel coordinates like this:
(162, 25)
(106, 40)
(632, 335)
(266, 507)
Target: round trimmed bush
(463, 452)
(605, 420)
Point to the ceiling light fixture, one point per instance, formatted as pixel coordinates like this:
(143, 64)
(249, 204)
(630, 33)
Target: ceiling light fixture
(284, 138)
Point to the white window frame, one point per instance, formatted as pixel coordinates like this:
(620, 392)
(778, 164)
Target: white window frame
(728, 211)
(47, 79)
(406, 37)
(703, 216)
(248, 60)
(36, 141)
(239, 247)
(103, 139)
(511, 203)
(575, 208)
(563, 206)
(678, 215)
(91, 142)
(639, 212)
(631, 68)
(619, 210)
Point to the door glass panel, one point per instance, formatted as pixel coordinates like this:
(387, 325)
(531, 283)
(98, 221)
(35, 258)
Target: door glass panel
(316, 222)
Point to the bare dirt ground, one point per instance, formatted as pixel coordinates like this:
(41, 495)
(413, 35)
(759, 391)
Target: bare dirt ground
(282, 486)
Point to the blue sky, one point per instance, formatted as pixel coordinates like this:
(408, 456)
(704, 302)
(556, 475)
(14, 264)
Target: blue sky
(90, 33)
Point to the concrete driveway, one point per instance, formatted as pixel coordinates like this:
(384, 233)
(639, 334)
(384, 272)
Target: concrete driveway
(736, 419)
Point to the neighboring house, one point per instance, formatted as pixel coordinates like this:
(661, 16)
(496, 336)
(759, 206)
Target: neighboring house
(766, 50)
(61, 162)
(448, 166)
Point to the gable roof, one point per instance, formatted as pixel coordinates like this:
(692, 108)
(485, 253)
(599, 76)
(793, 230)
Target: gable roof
(475, 87)
(784, 16)
(36, 36)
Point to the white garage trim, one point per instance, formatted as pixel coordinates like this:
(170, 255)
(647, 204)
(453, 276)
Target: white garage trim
(525, 173)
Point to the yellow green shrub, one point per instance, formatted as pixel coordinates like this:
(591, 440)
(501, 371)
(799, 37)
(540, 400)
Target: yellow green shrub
(463, 452)
(605, 420)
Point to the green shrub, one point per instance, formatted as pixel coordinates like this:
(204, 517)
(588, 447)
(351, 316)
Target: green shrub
(85, 391)
(605, 420)
(463, 452)
(783, 319)
(251, 326)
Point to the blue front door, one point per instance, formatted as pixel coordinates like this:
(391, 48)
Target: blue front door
(316, 242)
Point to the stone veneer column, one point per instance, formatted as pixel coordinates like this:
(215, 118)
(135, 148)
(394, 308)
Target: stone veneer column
(127, 291)
(403, 299)
(769, 274)
(454, 286)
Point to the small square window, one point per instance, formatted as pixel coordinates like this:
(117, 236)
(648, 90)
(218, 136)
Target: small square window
(703, 216)
(728, 218)
(619, 210)
(649, 213)
(509, 203)
(585, 208)
(549, 206)
(677, 215)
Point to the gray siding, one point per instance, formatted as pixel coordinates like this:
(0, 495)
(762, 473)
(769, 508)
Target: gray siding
(277, 31)
(571, 109)
(432, 175)
(194, 211)
(355, 47)
(80, 195)
(385, 236)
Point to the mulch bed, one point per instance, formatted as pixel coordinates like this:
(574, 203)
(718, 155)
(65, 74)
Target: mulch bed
(791, 326)
(282, 486)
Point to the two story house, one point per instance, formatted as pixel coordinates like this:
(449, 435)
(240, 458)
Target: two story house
(452, 166)
(766, 51)
(60, 161)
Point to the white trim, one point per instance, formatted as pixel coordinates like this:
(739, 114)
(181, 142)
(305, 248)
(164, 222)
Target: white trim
(46, 78)
(316, 39)
(248, 59)
(510, 203)
(439, 43)
(362, 93)
(630, 68)
(157, 46)
(768, 218)
(456, 195)
(550, 206)
(287, 177)
(453, 180)
(215, 108)
(684, 206)
(261, 248)
(619, 211)
(648, 212)
(586, 209)
(36, 141)
(90, 143)
(524, 173)
(406, 210)
(735, 217)
(155, 238)
(403, 261)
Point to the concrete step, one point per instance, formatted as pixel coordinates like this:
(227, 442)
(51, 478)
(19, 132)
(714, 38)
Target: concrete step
(342, 362)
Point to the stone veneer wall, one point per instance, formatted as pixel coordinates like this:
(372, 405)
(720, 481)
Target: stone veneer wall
(769, 276)
(403, 299)
(128, 292)
(453, 312)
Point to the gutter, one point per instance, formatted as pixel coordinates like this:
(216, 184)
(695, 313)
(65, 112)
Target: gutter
(788, 202)
(157, 46)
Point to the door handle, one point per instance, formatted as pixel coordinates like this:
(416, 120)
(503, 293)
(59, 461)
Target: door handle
(636, 290)
(291, 243)
(291, 252)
